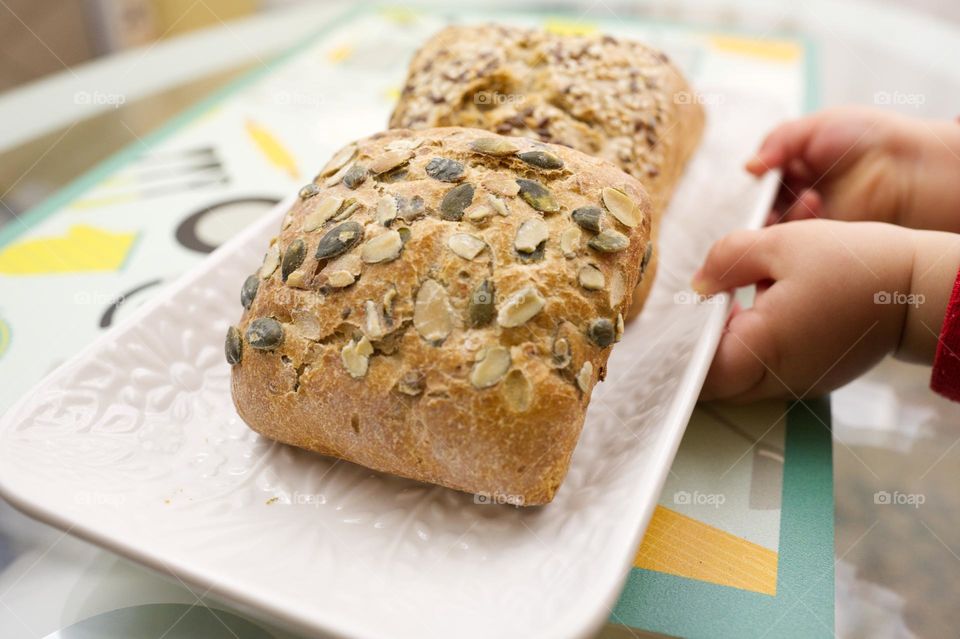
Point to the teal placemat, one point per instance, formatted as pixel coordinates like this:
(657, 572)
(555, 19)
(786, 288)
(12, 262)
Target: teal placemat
(110, 239)
(803, 606)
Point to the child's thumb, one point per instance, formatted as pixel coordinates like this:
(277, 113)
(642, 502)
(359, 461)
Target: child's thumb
(785, 143)
(738, 259)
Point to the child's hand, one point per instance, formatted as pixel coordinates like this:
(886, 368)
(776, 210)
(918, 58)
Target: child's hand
(832, 299)
(856, 163)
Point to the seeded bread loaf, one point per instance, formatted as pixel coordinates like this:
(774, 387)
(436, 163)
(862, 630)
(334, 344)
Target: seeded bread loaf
(609, 97)
(439, 305)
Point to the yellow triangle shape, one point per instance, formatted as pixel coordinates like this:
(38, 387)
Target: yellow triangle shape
(682, 546)
(563, 27)
(779, 50)
(84, 248)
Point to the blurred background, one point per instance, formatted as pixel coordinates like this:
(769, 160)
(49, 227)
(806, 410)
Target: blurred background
(41, 37)
(51, 48)
(83, 79)
(149, 59)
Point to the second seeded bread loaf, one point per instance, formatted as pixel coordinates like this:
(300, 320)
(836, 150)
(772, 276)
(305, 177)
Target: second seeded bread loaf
(439, 304)
(610, 97)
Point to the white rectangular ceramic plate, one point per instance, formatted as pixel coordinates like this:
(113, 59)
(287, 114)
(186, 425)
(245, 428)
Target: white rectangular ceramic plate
(135, 445)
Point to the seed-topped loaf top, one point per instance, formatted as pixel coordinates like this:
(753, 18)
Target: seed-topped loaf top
(606, 96)
(434, 269)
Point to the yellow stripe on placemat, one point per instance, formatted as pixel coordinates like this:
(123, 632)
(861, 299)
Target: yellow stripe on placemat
(100, 202)
(781, 50)
(392, 94)
(682, 546)
(340, 54)
(271, 148)
(83, 248)
(401, 16)
(4, 337)
(569, 27)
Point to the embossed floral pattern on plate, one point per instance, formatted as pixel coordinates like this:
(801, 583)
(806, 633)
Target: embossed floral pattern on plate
(135, 444)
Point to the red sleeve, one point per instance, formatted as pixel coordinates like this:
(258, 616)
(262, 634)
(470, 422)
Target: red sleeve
(946, 364)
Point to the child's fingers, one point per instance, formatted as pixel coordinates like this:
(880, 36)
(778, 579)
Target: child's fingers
(737, 259)
(788, 193)
(742, 369)
(808, 205)
(798, 171)
(782, 145)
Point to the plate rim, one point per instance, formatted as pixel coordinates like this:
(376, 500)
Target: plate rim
(579, 622)
(685, 401)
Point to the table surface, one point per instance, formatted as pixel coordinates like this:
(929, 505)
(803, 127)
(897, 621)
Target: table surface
(895, 564)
